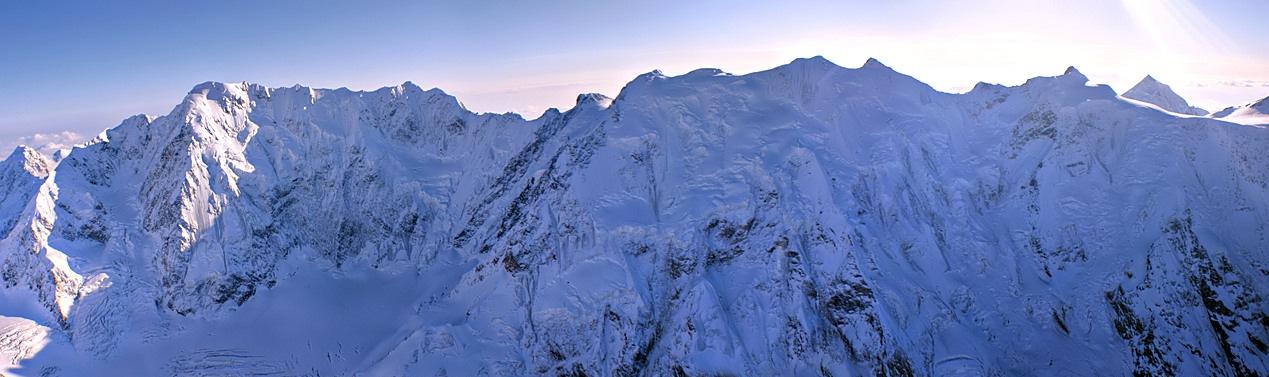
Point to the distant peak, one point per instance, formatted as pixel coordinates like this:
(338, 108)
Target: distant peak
(654, 75)
(1150, 81)
(21, 152)
(705, 72)
(873, 63)
(1150, 90)
(986, 86)
(817, 59)
(817, 62)
(29, 160)
(1072, 72)
(411, 86)
(593, 99)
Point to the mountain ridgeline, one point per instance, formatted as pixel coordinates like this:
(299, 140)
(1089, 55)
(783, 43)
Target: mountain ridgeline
(808, 220)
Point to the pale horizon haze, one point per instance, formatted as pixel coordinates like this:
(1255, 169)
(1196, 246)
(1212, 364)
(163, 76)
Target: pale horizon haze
(69, 70)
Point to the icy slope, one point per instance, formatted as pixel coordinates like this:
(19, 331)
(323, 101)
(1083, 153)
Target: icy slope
(805, 220)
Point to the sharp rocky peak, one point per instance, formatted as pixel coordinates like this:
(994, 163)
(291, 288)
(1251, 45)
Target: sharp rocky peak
(593, 99)
(1074, 74)
(28, 160)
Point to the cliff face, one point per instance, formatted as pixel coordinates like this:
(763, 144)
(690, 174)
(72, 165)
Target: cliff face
(807, 220)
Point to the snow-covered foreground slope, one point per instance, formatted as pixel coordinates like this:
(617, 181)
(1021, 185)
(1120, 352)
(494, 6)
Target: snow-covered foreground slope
(806, 220)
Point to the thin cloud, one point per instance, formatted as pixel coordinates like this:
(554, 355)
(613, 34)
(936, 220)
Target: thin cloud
(1234, 84)
(46, 143)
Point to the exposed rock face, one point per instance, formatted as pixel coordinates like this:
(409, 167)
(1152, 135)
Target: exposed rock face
(807, 220)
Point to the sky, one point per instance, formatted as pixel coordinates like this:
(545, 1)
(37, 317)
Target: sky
(69, 69)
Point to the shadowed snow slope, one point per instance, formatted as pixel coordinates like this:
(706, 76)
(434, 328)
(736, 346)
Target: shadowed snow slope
(805, 220)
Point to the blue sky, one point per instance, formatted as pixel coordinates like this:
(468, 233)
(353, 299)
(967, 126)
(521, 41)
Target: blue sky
(74, 68)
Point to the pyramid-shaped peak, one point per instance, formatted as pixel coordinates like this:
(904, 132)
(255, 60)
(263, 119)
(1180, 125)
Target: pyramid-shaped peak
(27, 159)
(21, 152)
(1151, 90)
(1150, 83)
(1075, 73)
(874, 63)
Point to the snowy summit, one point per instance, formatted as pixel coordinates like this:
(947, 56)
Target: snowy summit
(1159, 94)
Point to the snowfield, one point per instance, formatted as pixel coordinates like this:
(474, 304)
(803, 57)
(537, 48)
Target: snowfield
(808, 220)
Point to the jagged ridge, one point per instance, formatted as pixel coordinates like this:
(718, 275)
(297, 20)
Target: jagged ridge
(808, 219)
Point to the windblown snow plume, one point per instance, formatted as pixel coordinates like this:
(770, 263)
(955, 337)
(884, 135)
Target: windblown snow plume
(808, 220)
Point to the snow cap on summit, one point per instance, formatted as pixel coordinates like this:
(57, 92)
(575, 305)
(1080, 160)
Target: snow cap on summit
(1150, 90)
(29, 160)
(215, 91)
(593, 99)
(656, 73)
(20, 151)
(139, 120)
(203, 86)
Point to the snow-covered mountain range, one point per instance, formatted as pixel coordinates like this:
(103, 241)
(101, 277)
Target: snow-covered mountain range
(808, 220)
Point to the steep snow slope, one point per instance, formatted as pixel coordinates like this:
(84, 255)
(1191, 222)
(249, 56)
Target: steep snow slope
(1152, 91)
(805, 220)
(26, 218)
(20, 177)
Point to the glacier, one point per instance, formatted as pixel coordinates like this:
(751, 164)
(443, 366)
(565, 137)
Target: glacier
(807, 220)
